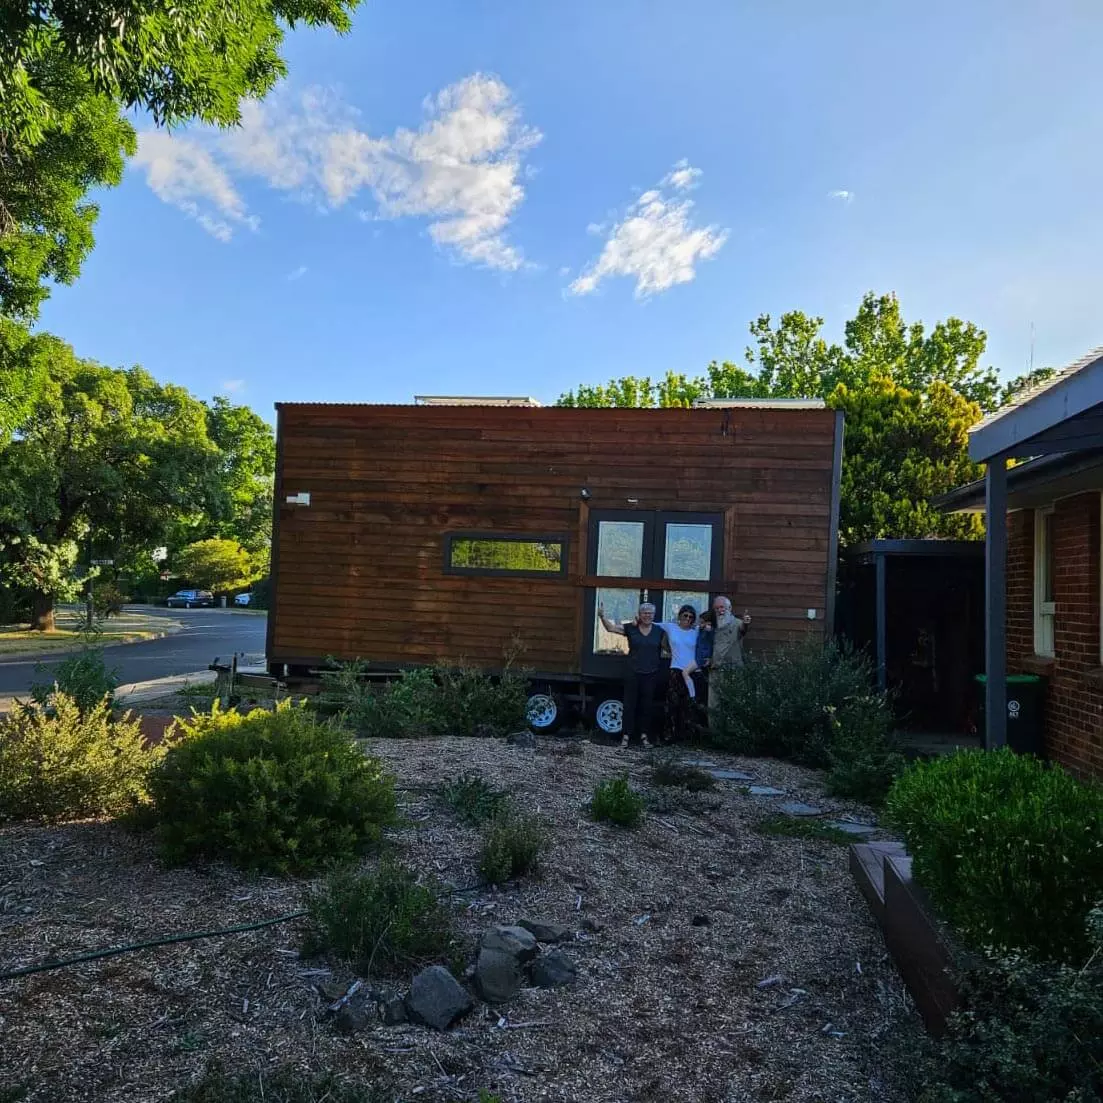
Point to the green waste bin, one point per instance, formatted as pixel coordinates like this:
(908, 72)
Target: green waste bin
(1025, 712)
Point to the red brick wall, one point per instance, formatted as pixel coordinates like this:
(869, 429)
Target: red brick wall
(1074, 705)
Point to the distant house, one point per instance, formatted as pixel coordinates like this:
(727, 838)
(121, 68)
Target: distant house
(1043, 555)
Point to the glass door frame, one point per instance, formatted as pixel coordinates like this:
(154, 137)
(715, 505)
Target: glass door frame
(651, 577)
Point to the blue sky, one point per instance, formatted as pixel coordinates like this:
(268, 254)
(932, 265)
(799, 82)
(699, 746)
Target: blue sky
(493, 197)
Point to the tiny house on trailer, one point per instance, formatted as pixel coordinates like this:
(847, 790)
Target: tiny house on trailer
(480, 531)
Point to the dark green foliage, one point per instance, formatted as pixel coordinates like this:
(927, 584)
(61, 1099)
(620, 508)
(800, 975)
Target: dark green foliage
(1028, 1032)
(792, 827)
(379, 920)
(1009, 849)
(474, 799)
(512, 845)
(425, 702)
(863, 754)
(68, 763)
(107, 600)
(668, 769)
(811, 704)
(277, 791)
(617, 802)
(84, 677)
(284, 1085)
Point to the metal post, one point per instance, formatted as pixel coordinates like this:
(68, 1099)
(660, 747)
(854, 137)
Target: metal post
(995, 548)
(879, 600)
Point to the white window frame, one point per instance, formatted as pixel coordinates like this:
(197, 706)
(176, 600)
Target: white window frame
(1044, 611)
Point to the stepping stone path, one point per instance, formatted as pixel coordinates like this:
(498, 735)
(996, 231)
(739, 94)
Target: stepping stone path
(799, 808)
(858, 829)
(731, 775)
(765, 791)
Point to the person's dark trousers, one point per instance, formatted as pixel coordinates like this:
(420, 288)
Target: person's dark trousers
(639, 704)
(677, 708)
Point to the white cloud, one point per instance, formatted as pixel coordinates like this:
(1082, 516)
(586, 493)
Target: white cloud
(682, 176)
(655, 243)
(461, 169)
(842, 195)
(183, 173)
(233, 386)
(297, 273)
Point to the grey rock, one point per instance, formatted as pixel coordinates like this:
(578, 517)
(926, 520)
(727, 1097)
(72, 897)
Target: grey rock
(546, 932)
(700, 763)
(515, 941)
(799, 808)
(497, 976)
(393, 1011)
(770, 982)
(437, 999)
(355, 1015)
(765, 791)
(858, 829)
(730, 775)
(553, 970)
(523, 739)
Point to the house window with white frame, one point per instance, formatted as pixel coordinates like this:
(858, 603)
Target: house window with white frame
(1044, 575)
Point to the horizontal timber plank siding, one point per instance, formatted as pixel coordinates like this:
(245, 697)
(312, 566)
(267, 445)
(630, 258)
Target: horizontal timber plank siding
(359, 572)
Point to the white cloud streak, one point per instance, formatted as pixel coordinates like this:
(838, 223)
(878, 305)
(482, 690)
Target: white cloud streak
(655, 243)
(461, 169)
(184, 174)
(297, 273)
(842, 195)
(233, 386)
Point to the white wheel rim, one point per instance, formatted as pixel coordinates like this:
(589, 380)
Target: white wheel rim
(542, 710)
(610, 717)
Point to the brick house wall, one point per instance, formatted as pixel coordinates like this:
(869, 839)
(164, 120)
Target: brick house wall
(1074, 702)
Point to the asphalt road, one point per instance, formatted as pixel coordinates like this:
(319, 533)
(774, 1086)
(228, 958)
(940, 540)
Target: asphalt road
(207, 634)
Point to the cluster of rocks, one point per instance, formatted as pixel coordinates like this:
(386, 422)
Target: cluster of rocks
(508, 956)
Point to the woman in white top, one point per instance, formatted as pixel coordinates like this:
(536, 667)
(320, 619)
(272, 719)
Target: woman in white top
(682, 635)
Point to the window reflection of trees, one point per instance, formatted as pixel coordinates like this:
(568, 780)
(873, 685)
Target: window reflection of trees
(506, 555)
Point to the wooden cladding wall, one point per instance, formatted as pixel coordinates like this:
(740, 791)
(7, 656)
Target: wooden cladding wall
(358, 572)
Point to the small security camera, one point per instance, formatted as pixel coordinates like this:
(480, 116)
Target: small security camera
(584, 494)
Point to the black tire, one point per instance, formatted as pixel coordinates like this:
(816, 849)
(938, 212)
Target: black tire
(607, 716)
(544, 711)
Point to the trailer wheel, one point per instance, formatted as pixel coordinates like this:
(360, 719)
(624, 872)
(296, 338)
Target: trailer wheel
(609, 715)
(543, 712)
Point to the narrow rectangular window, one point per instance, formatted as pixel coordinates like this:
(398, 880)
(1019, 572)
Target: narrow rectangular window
(1045, 605)
(522, 555)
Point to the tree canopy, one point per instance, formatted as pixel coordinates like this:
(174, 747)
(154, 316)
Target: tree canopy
(217, 565)
(909, 396)
(110, 462)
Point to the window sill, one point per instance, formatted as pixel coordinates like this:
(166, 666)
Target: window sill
(1037, 664)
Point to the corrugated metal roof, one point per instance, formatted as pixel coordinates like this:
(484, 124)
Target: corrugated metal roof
(1023, 397)
(761, 403)
(473, 400)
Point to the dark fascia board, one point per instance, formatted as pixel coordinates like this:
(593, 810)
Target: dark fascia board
(1009, 432)
(1028, 476)
(916, 548)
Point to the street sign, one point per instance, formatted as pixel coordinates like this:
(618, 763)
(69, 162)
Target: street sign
(103, 562)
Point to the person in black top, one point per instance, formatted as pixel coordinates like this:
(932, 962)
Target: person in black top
(645, 644)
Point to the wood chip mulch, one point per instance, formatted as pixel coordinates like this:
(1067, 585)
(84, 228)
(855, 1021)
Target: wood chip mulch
(695, 908)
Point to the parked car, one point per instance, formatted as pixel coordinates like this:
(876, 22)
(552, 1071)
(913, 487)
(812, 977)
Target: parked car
(243, 599)
(186, 599)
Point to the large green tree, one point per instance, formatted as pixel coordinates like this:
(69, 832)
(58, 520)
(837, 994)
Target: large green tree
(68, 68)
(217, 565)
(106, 461)
(909, 396)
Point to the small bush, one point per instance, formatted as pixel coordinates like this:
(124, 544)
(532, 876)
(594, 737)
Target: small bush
(617, 802)
(107, 600)
(1026, 1032)
(668, 769)
(423, 702)
(777, 705)
(276, 791)
(277, 1086)
(512, 845)
(66, 763)
(379, 920)
(473, 799)
(1010, 849)
(84, 677)
(863, 756)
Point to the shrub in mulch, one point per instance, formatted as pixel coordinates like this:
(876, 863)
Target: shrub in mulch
(66, 762)
(617, 802)
(276, 790)
(511, 847)
(282, 1085)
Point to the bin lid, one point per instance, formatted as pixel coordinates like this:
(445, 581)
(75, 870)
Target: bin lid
(1012, 679)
